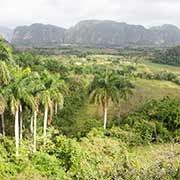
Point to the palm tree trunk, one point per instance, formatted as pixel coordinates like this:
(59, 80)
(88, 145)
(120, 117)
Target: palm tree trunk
(45, 122)
(31, 124)
(17, 130)
(3, 124)
(35, 124)
(21, 124)
(105, 115)
(56, 107)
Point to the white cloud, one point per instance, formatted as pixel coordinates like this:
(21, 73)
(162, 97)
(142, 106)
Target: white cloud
(68, 12)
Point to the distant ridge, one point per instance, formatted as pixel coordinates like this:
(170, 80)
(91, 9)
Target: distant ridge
(6, 33)
(103, 33)
(38, 35)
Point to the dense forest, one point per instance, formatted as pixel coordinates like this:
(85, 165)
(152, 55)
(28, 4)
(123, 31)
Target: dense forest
(89, 117)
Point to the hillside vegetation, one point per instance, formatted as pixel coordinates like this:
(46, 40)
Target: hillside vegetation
(88, 117)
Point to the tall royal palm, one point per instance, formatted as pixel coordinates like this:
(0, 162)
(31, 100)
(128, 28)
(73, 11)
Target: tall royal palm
(15, 103)
(53, 94)
(58, 91)
(19, 95)
(30, 86)
(4, 81)
(5, 56)
(108, 87)
(3, 105)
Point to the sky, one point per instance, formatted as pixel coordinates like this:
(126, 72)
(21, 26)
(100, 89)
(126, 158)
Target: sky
(66, 13)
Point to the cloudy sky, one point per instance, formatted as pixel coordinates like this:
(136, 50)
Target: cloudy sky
(66, 13)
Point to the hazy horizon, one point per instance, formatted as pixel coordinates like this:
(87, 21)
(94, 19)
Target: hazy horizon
(66, 13)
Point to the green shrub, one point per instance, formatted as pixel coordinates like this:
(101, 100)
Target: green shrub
(7, 170)
(127, 136)
(8, 148)
(147, 130)
(165, 110)
(48, 165)
(162, 133)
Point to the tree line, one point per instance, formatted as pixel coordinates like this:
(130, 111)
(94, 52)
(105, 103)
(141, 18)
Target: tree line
(170, 56)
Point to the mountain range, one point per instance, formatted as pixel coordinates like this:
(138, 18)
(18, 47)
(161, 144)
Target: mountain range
(97, 33)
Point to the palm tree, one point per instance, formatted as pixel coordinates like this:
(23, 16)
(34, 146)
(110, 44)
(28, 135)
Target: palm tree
(5, 51)
(47, 98)
(35, 110)
(31, 124)
(19, 95)
(4, 74)
(30, 86)
(35, 129)
(2, 110)
(109, 87)
(33, 86)
(58, 90)
(12, 97)
(52, 94)
(15, 111)
(27, 88)
(46, 101)
(4, 80)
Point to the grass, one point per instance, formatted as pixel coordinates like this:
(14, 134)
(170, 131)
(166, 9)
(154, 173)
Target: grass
(147, 156)
(154, 67)
(145, 90)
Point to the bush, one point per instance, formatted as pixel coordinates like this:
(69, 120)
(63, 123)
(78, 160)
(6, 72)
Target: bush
(7, 170)
(165, 110)
(7, 149)
(129, 137)
(94, 157)
(48, 165)
(68, 152)
(145, 128)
